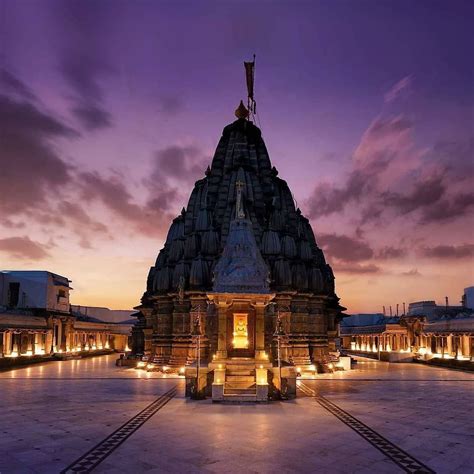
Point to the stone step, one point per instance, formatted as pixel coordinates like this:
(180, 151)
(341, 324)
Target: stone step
(240, 385)
(240, 390)
(240, 365)
(240, 378)
(236, 372)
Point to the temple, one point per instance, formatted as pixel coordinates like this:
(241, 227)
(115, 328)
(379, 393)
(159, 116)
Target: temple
(240, 295)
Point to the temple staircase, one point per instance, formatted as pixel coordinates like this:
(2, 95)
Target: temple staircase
(240, 381)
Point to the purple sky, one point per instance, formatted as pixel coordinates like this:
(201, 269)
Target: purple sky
(109, 110)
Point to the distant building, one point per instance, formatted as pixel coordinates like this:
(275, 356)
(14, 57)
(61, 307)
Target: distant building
(105, 314)
(427, 331)
(36, 319)
(468, 298)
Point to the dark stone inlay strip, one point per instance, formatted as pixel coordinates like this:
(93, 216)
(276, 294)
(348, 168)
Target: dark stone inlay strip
(404, 460)
(98, 453)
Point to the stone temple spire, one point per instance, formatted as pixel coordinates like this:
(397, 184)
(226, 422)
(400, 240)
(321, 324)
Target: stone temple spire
(242, 185)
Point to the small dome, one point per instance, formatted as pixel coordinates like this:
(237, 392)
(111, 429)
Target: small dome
(276, 221)
(150, 281)
(328, 279)
(271, 243)
(299, 276)
(191, 246)
(199, 274)
(181, 272)
(305, 250)
(288, 246)
(176, 251)
(282, 273)
(316, 280)
(163, 279)
(203, 221)
(210, 243)
(176, 230)
(161, 259)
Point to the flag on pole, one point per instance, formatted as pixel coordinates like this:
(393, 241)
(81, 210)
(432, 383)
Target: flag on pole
(250, 75)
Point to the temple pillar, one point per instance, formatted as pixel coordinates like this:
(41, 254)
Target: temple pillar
(449, 344)
(7, 343)
(259, 330)
(222, 329)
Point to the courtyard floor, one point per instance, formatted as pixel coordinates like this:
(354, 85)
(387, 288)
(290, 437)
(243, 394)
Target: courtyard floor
(79, 415)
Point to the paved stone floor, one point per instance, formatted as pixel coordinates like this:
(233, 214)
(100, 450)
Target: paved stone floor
(53, 414)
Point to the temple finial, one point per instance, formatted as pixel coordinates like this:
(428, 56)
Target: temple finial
(241, 111)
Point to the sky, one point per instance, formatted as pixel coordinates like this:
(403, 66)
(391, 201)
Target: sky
(110, 110)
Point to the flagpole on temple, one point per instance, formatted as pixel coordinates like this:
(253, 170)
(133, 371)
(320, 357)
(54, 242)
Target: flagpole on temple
(250, 77)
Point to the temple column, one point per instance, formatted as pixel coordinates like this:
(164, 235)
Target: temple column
(7, 343)
(259, 330)
(222, 329)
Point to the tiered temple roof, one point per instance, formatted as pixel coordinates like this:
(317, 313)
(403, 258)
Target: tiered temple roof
(198, 235)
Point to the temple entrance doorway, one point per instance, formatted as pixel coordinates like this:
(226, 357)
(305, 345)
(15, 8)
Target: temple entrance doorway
(241, 334)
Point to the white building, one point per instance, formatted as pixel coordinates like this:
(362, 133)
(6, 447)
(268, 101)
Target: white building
(36, 320)
(35, 289)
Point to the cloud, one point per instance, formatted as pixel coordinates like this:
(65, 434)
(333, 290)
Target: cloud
(181, 162)
(411, 273)
(345, 248)
(110, 191)
(174, 168)
(425, 194)
(31, 169)
(356, 268)
(23, 248)
(77, 214)
(9, 224)
(389, 253)
(398, 89)
(170, 104)
(390, 178)
(449, 252)
(374, 163)
(91, 116)
(83, 59)
(12, 85)
(449, 208)
(29, 139)
(151, 219)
